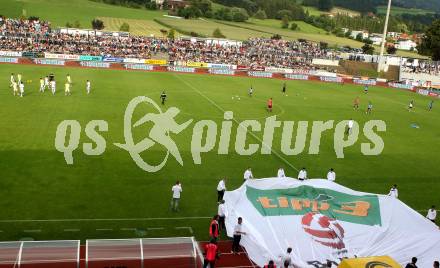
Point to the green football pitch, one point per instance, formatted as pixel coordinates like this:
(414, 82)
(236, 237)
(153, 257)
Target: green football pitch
(109, 196)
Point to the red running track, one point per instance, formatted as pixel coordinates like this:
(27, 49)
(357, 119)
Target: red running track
(228, 259)
(123, 256)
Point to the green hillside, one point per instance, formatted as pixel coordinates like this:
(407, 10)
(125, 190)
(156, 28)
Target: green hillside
(59, 12)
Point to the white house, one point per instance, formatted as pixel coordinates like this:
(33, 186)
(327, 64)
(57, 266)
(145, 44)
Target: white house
(406, 45)
(354, 34)
(393, 34)
(376, 38)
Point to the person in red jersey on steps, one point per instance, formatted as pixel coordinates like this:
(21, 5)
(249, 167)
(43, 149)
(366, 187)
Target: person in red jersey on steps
(211, 254)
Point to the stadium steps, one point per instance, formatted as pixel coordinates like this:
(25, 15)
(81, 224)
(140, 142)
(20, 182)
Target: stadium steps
(229, 260)
(357, 68)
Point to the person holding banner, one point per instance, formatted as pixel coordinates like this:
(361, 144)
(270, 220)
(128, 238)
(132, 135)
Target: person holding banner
(248, 174)
(280, 173)
(302, 175)
(238, 231)
(394, 192)
(432, 214)
(331, 175)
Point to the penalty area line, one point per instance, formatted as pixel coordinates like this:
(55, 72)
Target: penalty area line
(250, 133)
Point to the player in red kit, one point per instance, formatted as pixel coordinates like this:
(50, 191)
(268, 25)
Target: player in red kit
(269, 105)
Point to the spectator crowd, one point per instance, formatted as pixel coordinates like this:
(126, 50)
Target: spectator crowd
(38, 36)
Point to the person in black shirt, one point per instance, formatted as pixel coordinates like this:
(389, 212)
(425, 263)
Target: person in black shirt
(284, 88)
(436, 264)
(163, 97)
(412, 264)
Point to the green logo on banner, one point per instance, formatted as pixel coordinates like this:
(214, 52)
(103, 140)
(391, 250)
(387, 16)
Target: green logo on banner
(363, 209)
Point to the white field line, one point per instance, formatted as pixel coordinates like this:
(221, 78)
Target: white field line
(120, 219)
(71, 230)
(32, 231)
(190, 229)
(128, 229)
(250, 133)
(104, 229)
(155, 228)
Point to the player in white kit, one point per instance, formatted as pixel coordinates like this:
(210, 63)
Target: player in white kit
(21, 89)
(46, 82)
(88, 86)
(53, 86)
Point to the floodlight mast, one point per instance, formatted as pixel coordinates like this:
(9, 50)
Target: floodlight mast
(385, 30)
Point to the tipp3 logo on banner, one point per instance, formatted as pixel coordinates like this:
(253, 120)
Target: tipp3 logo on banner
(207, 134)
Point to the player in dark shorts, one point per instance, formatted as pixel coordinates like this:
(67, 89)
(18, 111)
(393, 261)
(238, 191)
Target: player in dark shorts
(410, 105)
(163, 97)
(251, 91)
(369, 108)
(269, 105)
(356, 103)
(284, 88)
(366, 89)
(430, 105)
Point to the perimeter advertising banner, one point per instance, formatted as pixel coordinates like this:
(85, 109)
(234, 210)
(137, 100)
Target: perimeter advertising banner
(8, 60)
(61, 56)
(156, 62)
(324, 221)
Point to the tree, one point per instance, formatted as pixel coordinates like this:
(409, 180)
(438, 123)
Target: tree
(430, 44)
(359, 37)
(368, 49)
(218, 34)
(261, 15)
(276, 37)
(125, 27)
(203, 5)
(69, 25)
(285, 22)
(284, 13)
(239, 15)
(325, 5)
(391, 50)
(293, 26)
(171, 33)
(97, 24)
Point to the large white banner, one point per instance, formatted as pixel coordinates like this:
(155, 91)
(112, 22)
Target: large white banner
(322, 220)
